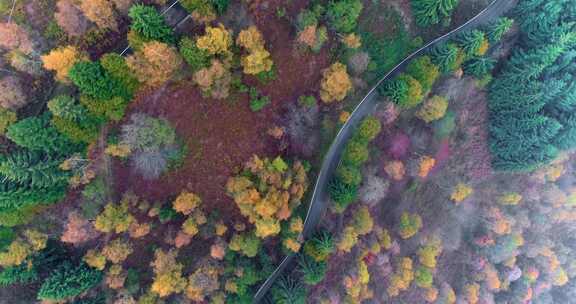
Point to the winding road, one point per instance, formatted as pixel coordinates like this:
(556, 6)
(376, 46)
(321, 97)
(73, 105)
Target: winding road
(320, 197)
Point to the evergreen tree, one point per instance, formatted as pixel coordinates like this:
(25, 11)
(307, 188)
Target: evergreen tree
(496, 30)
(429, 12)
(36, 169)
(36, 133)
(479, 66)
(68, 281)
(471, 42)
(92, 80)
(447, 57)
(149, 25)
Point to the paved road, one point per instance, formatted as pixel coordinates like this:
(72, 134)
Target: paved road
(320, 197)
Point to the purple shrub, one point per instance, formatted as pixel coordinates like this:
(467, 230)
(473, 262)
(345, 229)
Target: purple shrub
(399, 145)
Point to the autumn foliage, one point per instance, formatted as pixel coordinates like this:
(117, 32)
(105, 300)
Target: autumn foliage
(258, 58)
(268, 193)
(335, 83)
(61, 60)
(155, 63)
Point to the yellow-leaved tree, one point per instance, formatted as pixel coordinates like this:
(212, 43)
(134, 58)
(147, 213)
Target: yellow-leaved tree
(101, 12)
(258, 58)
(335, 83)
(61, 60)
(186, 202)
(114, 218)
(167, 274)
(216, 41)
(270, 195)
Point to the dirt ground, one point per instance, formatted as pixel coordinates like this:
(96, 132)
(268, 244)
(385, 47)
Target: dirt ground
(222, 134)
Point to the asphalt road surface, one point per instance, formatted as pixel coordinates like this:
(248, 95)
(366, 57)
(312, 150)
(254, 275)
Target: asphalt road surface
(320, 197)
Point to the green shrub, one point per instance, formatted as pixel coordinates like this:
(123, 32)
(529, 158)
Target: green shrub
(195, 57)
(257, 100)
(307, 101)
(343, 14)
(167, 214)
(149, 24)
(68, 281)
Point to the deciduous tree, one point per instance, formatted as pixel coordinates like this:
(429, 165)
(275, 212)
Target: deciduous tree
(61, 61)
(70, 18)
(101, 12)
(155, 63)
(12, 95)
(335, 83)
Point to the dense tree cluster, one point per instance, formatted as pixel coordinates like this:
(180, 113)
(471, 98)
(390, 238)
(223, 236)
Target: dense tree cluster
(344, 188)
(268, 191)
(531, 101)
(428, 12)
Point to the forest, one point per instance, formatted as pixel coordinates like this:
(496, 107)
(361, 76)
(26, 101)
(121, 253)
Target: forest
(170, 151)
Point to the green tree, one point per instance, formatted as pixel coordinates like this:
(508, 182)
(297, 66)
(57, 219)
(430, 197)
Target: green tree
(68, 281)
(429, 12)
(313, 272)
(149, 25)
(36, 169)
(342, 194)
(355, 153)
(195, 57)
(115, 65)
(36, 133)
(93, 80)
(350, 175)
(7, 117)
(423, 70)
(288, 291)
(73, 120)
(447, 56)
(343, 14)
(479, 66)
(369, 128)
(471, 42)
(496, 30)
(403, 90)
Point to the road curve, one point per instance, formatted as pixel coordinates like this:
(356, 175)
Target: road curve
(320, 197)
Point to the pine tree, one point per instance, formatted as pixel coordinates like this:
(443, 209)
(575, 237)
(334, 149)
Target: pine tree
(471, 42)
(496, 30)
(447, 57)
(149, 24)
(36, 169)
(429, 12)
(479, 66)
(36, 133)
(68, 281)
